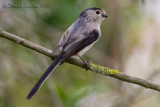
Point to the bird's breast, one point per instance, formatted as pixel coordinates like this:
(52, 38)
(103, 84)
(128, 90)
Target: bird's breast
(80, 53)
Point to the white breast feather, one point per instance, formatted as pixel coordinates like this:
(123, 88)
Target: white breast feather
(85, 49)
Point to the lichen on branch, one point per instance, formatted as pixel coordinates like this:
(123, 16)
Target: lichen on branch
(102, 70)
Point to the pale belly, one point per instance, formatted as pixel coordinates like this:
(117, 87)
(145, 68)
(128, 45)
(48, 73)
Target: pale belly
(85, 49)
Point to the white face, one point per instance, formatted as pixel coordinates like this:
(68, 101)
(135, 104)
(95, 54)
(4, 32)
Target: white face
(96, 16)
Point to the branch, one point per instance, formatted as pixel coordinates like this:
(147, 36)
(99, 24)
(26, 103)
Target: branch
(95, 68)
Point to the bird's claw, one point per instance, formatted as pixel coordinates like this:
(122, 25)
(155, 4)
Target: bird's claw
(86, 65)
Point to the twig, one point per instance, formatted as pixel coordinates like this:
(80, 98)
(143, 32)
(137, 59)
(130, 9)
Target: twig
(47, 52)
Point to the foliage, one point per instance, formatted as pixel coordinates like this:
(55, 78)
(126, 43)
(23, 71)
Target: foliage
(129, 43)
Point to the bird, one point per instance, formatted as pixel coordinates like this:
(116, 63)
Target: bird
(75, 41)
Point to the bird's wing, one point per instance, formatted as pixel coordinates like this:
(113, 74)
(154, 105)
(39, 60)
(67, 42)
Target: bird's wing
(63, 40)
(75, 45)
(70, 33)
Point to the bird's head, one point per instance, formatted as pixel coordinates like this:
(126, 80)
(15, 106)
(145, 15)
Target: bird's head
(94, 14)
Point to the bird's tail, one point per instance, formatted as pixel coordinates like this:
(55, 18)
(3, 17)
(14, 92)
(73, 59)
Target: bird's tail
(45, 75)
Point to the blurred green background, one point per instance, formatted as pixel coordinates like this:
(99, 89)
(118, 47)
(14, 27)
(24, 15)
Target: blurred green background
(130, 42)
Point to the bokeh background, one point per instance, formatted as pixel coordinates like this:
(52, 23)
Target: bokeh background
(130, 42)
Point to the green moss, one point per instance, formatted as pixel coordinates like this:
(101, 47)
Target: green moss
(102, 70)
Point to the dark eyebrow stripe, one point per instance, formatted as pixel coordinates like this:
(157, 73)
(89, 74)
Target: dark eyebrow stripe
(94, 8)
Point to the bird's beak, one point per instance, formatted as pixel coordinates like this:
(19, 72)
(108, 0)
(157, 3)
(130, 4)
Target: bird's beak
(104, 15)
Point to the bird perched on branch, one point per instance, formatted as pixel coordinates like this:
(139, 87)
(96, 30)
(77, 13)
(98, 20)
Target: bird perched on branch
(76, 40)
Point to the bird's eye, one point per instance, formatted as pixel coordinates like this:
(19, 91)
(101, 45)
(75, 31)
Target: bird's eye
(98, 12)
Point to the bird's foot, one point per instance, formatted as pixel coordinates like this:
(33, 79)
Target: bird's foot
(86, 65)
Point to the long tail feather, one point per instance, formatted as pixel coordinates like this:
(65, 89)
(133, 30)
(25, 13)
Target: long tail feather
(44, 76)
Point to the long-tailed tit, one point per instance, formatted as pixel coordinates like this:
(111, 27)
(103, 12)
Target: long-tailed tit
(76, 40)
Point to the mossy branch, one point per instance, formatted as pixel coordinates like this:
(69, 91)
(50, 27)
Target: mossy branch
(93, 67)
